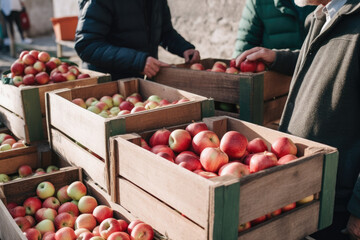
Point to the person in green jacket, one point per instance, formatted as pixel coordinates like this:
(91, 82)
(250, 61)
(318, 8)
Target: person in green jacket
(324, 99)
(271, 24)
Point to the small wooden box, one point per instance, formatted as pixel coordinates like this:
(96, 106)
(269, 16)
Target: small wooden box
(260, 96)
(215, 207)
(22, 109)
(70, 124)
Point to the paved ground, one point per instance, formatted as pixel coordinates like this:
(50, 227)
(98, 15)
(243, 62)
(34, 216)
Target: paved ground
(43, 43)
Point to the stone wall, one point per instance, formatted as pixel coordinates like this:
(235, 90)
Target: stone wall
(211, 25)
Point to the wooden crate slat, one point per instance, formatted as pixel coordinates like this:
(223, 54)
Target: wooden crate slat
(277, 181)
(301, 221)
(73, 123)
(161, 181)
(327, 194)
(79, 157)
(14, 123)
(167, 221)
(273, 109)
(11, 99)
(275, 85)
(11, 165)
(9, 229)
(17, 152)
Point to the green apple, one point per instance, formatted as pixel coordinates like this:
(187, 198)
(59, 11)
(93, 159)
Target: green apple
(4, 178)
(104, 114)
(45, 190)
(154, 98)
(5, 147)
(45, 225)
(94, 109)
(51, 168)
(114, 111)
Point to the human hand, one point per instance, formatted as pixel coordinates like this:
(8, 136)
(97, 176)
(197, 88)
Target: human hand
(353, 228)
(192, 56)
(152, 66)
(264, 55)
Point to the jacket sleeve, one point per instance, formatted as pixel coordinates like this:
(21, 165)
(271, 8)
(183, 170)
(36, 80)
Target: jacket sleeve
(171, 40)
(95, 21)
(354, 203)
(285, 61)
(250, 31)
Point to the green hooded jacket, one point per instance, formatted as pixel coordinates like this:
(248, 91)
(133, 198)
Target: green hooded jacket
(274, 24)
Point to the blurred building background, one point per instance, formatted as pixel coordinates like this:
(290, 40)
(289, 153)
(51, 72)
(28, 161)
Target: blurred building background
(211, 25)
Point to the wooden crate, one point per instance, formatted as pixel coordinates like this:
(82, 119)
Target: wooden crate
(18, 191)
(22, 109)
(69, 123)
(215, 207)
(260, 96)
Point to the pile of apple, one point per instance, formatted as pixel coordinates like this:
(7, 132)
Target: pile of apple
(245, 66)
(38, 68)
(26, 171)
(200, 150)
(117, 105)
(72, 214)
(8, 142)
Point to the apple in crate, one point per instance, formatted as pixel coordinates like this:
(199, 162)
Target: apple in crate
(142, 231)
(51, 202)
(163, 148)
(235, 169)
(62, 195)
(205, 174)
(196, 127)
(258, 220)
(30, 70)
(160, 137)
(17, 68)
(18, 211)
(65, 233)
(32, 234)
(64, 220)
(256, 145)
(117, 99)
(31, 220)
(45, 225)
(85, 220)
(283, 146)
(17, 80)
(44, 56)
(109, 226)
(45, 213)
(260, 161)
(22, 223)
(32, 205)
(29, 79)
(248, 66)
(87, 204)
(132, 224)
(288, 207)
(76, 190)
(205, 139)
(102, 212)
(188, 161)
(83, 75)
(45, 189)
(244, 226)
(233, 144)
(39, 66)
(212, 159)
(287, 158)
(197, 66)
(232, 70)
(4, 178)
(166, 156)
(119, 236)
(85, 235)
(69, 207)
(29, 59)
(273, 214)
(179, 140)
(24, 171)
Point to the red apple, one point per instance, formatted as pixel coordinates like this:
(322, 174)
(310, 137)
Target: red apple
(58, 77)
(123, 112)
(288, 207)
(248, 66)
(205, 174)
(32, 204)
(196, 127)
(232, 70)
(244, 226)
(235, 169)
(260, 161)
(166, 156)
(49, 236)
(85, 220)
(163, 148)
(132, 224)
(287, 158)
(76, 190)
(18, 211)
(205, 139)
(74, 70)
(109, 226)
(32, 234)
(142, 231)
(119, 236)
(42, 78)
(44, 56)
(220, 65)
(257, 145)
(31, 220)
(65, 233)
(188, 161)
(62, 194)
(85, 236)
(164, 102)
(102, 212)
(233, 144)
(132, 99)
(258, 220)
(96, 231)
(179, 140)
(283, 146)
(232, 63)
(34, 53)
(50, 66)
(160, 137)
(22, 54)
(29, 79)
(212, 159)
(39, 66)
(273, 214)
(138, 109)
(87, 204)
(123, 225)
(260, 67)
(69, 207)
(30, 70)
(125, 105)
(29, 59)
(246, 159)
(23, 223)
(83, 75)
(45, 213)
(144, 144)
(63, 68)
(24, 171)
(64, 220)
(197, 66)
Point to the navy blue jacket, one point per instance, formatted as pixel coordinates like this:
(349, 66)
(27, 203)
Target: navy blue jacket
(116, 36)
